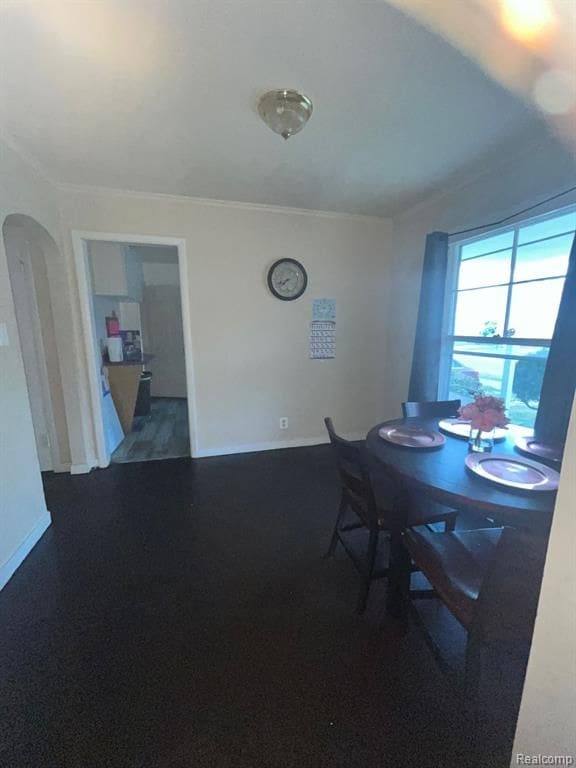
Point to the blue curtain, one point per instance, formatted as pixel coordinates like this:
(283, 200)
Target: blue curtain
(426, 357)
(559, 381)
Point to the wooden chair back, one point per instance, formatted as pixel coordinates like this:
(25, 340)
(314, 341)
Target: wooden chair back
(354, 477)
(441, 409)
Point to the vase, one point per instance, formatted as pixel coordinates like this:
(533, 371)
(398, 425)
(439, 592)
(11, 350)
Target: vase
(479, 441)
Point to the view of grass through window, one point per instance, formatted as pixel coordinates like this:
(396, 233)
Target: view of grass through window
(505, 303)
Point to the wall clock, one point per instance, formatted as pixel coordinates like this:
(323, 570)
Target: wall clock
(287, 279)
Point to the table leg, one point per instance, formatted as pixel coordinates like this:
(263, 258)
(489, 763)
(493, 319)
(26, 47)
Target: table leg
(398, 577)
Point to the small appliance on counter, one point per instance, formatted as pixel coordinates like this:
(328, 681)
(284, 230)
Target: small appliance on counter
(132, 345)
(115, 349)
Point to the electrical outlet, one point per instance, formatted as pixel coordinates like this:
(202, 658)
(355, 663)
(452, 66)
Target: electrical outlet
(283, 423)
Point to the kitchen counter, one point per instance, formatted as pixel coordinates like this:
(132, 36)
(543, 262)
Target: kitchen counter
(124, 380)
(145, 359)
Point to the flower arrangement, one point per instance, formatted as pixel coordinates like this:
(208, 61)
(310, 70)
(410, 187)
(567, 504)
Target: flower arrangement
(485, 413)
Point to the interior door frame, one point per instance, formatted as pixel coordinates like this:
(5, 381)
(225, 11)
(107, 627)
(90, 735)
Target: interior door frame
(80, 240)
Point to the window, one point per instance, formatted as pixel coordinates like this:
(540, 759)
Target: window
(503, 299)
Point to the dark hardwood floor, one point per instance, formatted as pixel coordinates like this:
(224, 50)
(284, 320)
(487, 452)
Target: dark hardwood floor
(178, 614)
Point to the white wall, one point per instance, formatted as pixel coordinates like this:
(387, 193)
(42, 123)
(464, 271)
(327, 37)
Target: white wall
(43, 254)
(29, 250)
(547, 721)
(22, 505)
(251, 361)
(535, 170)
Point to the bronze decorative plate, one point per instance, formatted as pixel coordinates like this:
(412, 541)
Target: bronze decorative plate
(520, 473)
(461, 428)
(535, 448)
(411, 437)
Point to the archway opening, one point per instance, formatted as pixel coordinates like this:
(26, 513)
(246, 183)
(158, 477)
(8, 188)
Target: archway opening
(31, 255)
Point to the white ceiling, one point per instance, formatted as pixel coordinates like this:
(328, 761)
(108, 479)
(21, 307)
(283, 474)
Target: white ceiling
(159, 96)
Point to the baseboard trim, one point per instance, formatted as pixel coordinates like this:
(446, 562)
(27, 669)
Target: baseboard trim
(60, 468)
(271, 446)
(83, 469)
(15, 561)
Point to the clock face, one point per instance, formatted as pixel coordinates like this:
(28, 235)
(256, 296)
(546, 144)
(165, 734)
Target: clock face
(287, 279)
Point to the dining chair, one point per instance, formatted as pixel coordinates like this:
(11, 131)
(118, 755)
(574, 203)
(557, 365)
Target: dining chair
(441, 409)
(358, 497)
(489, 579)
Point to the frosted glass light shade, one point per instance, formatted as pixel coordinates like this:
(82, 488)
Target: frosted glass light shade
(285, 112)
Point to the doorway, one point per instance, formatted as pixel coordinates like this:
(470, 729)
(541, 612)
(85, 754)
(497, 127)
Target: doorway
(134, 309)
(29, 251)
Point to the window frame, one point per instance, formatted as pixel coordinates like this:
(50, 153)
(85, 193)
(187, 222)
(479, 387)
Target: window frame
(449, 339)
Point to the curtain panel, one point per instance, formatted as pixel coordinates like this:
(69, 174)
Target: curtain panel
(427, 344)
(559, 381)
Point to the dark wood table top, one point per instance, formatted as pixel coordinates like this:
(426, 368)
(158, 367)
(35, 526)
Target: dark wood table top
(443, 476)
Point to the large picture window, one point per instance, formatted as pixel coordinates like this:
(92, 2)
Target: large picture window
(504, 292)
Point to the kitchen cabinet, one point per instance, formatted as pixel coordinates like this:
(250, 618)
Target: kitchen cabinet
(129, 316)
(116, 271)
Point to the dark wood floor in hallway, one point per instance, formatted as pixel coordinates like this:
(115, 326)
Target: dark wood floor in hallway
(178, 614)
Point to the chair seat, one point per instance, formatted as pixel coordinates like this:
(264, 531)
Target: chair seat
(455, 564)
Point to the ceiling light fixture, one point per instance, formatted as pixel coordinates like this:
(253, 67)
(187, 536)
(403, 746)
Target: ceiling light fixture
(285, 112)
(528, 21)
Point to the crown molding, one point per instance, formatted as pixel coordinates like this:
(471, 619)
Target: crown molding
(504, 154)
(214, 203)
(15, 146)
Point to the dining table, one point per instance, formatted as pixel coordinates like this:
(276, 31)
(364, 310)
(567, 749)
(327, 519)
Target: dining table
(441, 475)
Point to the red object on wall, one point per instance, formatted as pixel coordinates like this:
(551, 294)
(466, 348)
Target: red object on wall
(112, 325)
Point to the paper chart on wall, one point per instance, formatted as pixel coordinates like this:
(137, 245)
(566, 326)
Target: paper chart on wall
(323, 329)
(324, 309)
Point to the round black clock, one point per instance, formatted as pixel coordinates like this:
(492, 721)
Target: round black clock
(287, 279)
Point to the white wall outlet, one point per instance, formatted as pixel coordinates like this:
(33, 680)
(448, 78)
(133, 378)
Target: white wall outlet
(4, 339)
(283, 423)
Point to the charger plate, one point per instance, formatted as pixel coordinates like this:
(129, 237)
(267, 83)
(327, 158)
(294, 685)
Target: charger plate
(535, 448)
(461, 428)
(411, 437)
(513, 472)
